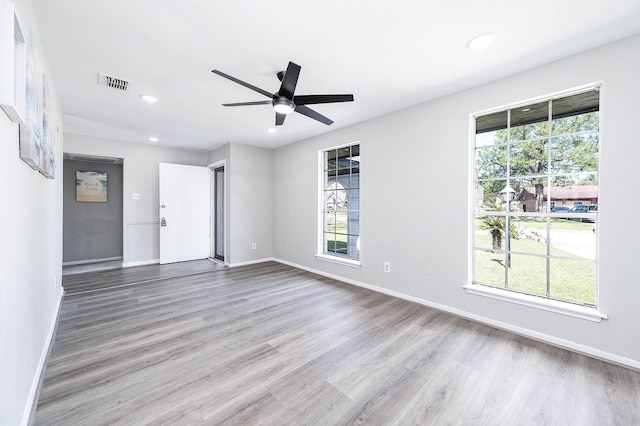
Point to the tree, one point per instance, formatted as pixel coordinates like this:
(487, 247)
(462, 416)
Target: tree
(497, 225)
(574, 156)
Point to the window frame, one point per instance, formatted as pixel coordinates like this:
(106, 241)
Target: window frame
(547, 302)
(321, 252)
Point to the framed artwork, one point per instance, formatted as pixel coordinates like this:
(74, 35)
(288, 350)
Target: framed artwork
(47, 158)
(12, 63)
(91, 187)
(31, 130)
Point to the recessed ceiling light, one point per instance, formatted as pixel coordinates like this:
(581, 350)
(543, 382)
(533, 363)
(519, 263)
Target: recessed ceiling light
(271, 130)
(482, 41)
(153, 139)
(148, 98)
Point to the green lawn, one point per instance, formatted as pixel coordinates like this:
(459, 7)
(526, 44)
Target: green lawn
(572, 280)
(337, 229)
(556, 223)
(539, 223)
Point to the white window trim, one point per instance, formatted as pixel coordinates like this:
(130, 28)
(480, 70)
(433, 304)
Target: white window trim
(320, 254)
(551, 305)
(337, 259)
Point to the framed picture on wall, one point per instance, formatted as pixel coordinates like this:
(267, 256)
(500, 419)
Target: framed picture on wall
(31, 131)
(47, 159)
(91, 187)
(12, 63)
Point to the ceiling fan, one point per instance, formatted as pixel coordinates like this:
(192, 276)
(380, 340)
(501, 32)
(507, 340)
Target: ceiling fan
(284, 101)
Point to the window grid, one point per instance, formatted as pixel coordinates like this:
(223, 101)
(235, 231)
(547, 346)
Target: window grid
(341, 202)
(504, 172)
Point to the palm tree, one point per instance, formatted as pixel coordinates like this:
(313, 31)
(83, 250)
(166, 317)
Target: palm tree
(496, 225)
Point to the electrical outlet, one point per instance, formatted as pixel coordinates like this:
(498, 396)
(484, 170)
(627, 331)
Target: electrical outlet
(387, 267)
(253, 246)
(135, 196)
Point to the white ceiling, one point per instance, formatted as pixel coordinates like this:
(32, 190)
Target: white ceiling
(389, 54)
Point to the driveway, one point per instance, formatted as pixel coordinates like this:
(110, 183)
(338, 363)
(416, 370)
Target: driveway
(580, 243)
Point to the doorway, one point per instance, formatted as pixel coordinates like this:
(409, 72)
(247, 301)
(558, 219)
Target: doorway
(218, 213)
(92, 213)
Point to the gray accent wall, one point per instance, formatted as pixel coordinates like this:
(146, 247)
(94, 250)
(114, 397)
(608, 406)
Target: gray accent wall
(92, 231)
(415, 198)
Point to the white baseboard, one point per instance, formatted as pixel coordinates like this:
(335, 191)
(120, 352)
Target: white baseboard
(253, 262)
(84, 262)
(230, 265)
(29, 409)
(141, 263)
(542, 337)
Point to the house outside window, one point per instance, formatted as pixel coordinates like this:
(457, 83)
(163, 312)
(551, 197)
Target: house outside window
(341, 202)
(529, 160)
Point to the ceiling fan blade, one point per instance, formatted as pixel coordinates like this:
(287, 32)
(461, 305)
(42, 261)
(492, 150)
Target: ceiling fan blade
(242, 83)
(249, 103)
(280, 118)
(301, 109)
(289, 81)
(321, 99)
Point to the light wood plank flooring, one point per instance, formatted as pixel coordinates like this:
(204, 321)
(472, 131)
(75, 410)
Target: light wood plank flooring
(123, 277)
(269, 344)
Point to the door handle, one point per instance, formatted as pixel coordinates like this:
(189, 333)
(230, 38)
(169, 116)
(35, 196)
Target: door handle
(163, 222)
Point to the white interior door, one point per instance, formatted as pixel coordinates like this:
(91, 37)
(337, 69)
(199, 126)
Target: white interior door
(184, 213)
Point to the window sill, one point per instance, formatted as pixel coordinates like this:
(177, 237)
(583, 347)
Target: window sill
(564, 308)
(339, 260)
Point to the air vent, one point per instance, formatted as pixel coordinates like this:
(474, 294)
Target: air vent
(92, 158)
(114, 82)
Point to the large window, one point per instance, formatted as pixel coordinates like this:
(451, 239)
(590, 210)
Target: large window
(341, 202)
(536, 198)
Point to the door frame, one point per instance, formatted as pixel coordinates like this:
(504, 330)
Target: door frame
(212, 172)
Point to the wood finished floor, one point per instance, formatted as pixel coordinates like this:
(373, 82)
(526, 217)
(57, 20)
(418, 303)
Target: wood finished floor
(272, 345)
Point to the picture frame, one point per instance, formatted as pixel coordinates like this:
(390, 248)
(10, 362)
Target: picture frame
(30, 135)
(12, 63)
(48, 143)
(91, 187)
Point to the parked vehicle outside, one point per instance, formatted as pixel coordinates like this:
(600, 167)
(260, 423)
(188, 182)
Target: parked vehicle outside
(560, 209)
(584, 208)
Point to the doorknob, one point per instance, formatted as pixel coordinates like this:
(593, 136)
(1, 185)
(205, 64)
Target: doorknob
(163, 222)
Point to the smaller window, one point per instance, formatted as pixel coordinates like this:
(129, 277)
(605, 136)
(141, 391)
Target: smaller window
(341, 202)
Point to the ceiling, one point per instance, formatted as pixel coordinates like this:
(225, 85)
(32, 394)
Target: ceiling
(389, 54)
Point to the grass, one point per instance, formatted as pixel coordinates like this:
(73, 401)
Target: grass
(569, 279)
(338, 229)
(337, 247)
(541, 223)
(556, 224)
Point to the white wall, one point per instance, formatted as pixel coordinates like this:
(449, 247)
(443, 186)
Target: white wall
(140, 176)
(30, 259)
(249, 180)
(415, 190)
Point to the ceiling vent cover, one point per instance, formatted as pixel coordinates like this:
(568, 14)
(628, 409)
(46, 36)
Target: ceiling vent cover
(92, 158)
(114, 82)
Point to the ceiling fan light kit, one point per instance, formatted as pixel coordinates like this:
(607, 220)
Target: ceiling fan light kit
(283, 106)
(284, 101)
